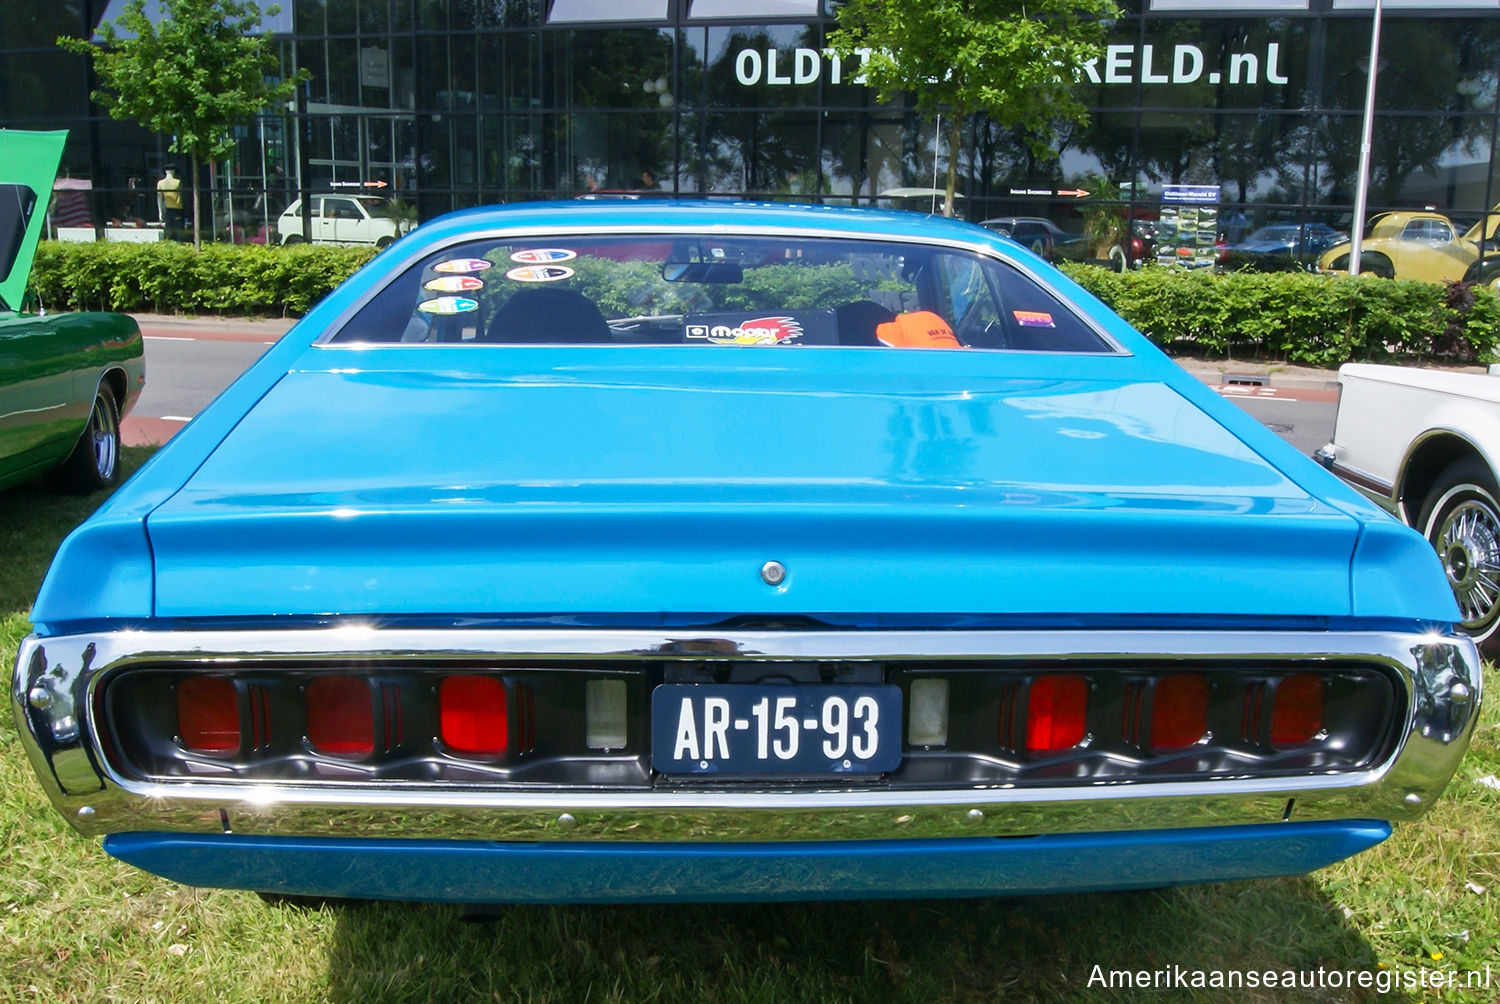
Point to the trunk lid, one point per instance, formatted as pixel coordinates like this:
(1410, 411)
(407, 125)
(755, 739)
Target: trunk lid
(548, 482)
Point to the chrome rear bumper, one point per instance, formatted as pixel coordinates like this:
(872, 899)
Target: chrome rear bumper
(58, 678)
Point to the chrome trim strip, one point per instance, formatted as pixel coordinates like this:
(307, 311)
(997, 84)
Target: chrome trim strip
(325, 340)
(1439, 678)
(1371, 487)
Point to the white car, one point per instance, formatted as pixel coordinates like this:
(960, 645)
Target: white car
(1425, 445)
(342, 219)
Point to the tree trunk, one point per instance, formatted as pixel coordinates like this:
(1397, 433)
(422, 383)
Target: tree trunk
(955, 138)
(197, 238)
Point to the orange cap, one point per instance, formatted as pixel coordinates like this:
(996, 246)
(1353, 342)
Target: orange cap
(920, 329)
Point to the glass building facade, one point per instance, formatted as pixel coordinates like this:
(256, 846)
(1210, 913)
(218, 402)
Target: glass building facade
(451, 103)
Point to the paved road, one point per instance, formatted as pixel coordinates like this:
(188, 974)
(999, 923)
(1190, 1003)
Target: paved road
(190, 360)
(1303, 416)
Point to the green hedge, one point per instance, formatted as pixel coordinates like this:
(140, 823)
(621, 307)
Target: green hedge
(1293, 317)
(1298, 317)
(168, 278)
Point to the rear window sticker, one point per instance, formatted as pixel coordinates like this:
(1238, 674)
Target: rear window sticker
(539, 273)
(448, 305)
(760, 331)
(1034, 319)
(543, 256)
(463, 265)
(452, 284)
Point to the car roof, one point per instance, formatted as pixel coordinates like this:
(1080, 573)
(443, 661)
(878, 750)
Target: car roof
(702, 213)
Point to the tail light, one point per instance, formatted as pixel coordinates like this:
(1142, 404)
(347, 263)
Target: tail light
(1297, 710)
(472, 714)
(208, 714)
(1055, 712)
(1179, 711)
(341, 715)
(1072, 721)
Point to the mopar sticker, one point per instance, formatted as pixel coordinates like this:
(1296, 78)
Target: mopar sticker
(539, 273)
(463, 265)
(448, 305)
(760, 331)
(1033, 319)
(452, 284)
(542, 256)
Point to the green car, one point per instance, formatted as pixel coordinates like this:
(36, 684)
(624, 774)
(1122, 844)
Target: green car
(65, 379)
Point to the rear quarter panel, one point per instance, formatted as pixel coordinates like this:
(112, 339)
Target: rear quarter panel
(50, 367)
(1384, 410)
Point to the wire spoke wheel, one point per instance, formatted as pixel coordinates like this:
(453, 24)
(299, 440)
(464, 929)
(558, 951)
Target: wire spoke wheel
(1469, 544)
(1461, 519)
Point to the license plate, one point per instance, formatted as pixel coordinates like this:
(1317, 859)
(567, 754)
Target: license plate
(786, 730)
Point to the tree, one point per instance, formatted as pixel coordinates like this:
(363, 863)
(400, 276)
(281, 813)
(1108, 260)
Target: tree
(193, 75)
(1014, 60)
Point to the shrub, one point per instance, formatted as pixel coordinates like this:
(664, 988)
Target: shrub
(241, 279)
(1299, 317)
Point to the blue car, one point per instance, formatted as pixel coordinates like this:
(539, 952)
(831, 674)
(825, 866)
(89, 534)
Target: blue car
(629, 551)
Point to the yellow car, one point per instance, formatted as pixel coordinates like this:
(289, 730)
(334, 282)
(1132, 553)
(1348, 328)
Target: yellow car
(1423, 245)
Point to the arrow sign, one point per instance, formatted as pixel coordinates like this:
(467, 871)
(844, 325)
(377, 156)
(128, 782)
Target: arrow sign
(1077, 193)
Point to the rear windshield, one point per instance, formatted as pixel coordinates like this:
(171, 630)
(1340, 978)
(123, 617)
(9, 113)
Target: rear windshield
(723, 291)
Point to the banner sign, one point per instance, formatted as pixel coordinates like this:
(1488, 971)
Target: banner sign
(1120, 64)
(1188, 229)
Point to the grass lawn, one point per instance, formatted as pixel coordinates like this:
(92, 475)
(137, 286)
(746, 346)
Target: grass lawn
(77, 926)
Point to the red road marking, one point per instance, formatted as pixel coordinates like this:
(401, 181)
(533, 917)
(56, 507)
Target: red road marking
(136, 430)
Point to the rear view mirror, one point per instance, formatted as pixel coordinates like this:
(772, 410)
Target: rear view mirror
(715, 272)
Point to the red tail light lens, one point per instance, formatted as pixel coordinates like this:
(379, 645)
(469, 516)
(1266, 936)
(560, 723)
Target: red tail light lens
(1297, 712)
(1055, 711)
(473, 714)
(340, 715)
(1179, 711)
(208, 714)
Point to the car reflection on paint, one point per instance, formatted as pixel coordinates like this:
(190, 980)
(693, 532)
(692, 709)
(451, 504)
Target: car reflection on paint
(643, 550)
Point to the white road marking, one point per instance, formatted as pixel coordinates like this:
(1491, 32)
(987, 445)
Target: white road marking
(189, 338)
(176, 418)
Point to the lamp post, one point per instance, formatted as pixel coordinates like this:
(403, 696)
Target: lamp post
(1362, 183)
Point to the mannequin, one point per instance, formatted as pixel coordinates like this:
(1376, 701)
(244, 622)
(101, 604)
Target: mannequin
(169, 203)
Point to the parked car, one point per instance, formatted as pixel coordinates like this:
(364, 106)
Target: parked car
(343, 219)
(1424, 444)
(1042, 237)
(66, 380)
(1423, 245)
(701, 551)
(1283, 247)
(1047, 240)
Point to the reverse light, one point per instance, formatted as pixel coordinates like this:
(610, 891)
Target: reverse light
(604, 714)
(341, 716)
(1297, 710)
(472, 714)
(927, 721)
(1056, 707)
(208, 714)
(1179, 711)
